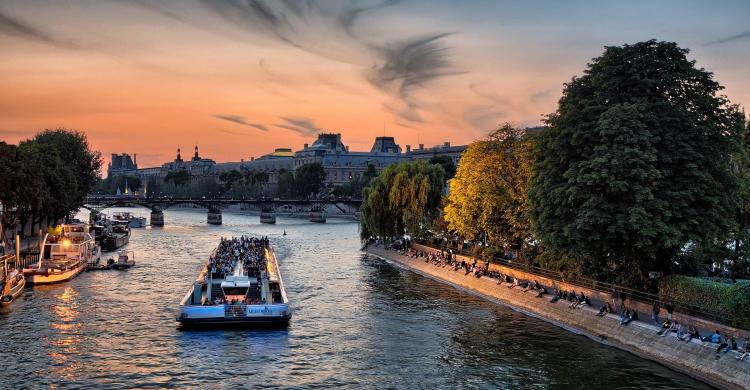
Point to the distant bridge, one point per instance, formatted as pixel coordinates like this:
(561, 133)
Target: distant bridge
(158, 204)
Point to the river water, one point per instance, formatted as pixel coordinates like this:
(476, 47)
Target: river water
(358, 322)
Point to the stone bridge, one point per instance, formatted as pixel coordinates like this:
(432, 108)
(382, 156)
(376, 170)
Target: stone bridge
(214, 205)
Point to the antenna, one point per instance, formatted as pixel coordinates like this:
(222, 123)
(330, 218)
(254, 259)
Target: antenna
(383, 127)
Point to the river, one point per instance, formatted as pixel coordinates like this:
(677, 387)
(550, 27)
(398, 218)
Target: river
(358, 322)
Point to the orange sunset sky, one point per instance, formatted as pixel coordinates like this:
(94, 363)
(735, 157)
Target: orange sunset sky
(240, 78)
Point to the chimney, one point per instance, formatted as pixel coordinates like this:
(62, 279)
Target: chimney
(252, 158)
(305, 146)
(347, 148)
(135, 159)
(446, 144)
(421, 146)
(408, 148)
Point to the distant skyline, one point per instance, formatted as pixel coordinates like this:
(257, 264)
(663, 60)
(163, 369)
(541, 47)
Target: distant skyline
(241, 78)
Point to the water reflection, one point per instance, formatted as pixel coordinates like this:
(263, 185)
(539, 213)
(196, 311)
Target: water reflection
(358, 323)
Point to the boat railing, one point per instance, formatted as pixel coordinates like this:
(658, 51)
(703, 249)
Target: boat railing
(235, 310)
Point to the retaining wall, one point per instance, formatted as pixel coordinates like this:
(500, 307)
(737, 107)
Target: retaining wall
(697, 359)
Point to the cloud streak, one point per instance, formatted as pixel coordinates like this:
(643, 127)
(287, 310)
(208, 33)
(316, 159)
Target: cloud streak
(240, 120)
(301, 125)
(409, 65)
(20, 29)
(736, 37)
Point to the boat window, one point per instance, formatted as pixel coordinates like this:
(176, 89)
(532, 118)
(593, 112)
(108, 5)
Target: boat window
(235, 290)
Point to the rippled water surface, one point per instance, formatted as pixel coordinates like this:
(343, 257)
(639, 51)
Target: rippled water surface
(358, 322)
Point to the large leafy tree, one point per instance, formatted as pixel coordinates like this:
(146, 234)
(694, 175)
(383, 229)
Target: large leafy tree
(447, 163)
(403, 198)
(309, 178)
(636, 163)
(487, 197)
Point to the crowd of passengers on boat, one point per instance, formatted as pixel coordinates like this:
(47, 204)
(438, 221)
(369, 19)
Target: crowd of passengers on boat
(248, 252)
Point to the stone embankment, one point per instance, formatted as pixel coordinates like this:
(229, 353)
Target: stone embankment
(697, 359)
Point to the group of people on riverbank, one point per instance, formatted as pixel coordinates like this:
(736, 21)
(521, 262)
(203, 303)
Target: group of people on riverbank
(670, 326)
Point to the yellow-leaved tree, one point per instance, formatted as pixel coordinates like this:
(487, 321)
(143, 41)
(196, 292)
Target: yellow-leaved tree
(487, 198)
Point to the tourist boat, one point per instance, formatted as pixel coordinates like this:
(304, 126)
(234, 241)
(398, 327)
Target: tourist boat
(11, 285)
(124, 261)
(129, 219)
(249, 295)
(64, 255)
(267, 216)
(116, 237)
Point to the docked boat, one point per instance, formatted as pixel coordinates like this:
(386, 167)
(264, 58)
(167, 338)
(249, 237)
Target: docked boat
(267, 216)
(132, 221)
(240, 284)
(124, 260)
(11, 286)
(64, 255)
(116, 237)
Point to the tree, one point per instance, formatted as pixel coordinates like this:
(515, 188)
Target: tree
(404, 198)
(285, 186)
(447, 163)
(488, 196)
(178, 177)
(635, 164)
(80, 160)
(309, 178)
(230, 177)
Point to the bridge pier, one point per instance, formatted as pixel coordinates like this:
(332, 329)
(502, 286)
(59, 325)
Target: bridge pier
(157, 217)
(214, 216)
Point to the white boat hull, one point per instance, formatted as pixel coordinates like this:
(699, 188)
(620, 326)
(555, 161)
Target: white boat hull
(55, 276)
(194, 315)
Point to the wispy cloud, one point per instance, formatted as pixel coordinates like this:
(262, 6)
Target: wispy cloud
(542, 95)
(732, 38)
(20, 29)
(328, 30)
(240, 120)
(483, 117)
(15, 133)
(301, 125)
(409, 65)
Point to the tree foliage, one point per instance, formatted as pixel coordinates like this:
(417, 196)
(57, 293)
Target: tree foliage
(47, 176)
(636, 162)
(488, 195)
(309, 178)
(403, 198)
(447, 163)
(178, 177)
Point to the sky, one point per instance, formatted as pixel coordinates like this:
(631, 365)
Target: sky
(241, 78)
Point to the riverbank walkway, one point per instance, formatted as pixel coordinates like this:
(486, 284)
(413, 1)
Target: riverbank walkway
(712, 362)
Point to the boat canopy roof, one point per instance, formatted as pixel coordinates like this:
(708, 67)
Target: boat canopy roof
(238, 283)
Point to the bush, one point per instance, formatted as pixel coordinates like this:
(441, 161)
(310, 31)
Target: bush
(720, 300)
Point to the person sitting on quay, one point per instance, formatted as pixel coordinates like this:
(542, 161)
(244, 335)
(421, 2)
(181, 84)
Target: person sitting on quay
(673, 327)
(745, 350)
(715, 338)
(607, 308)
(557, 297)
(692, 333)
(628, 316)
(541, 291)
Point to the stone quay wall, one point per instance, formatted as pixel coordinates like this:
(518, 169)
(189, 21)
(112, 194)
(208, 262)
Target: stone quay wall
(695, 358)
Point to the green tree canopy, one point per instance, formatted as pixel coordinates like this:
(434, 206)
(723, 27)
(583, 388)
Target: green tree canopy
(447, 163)
(636, 162)
(309, 178)
(488, 194)
(403, 198)
(178, 177)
